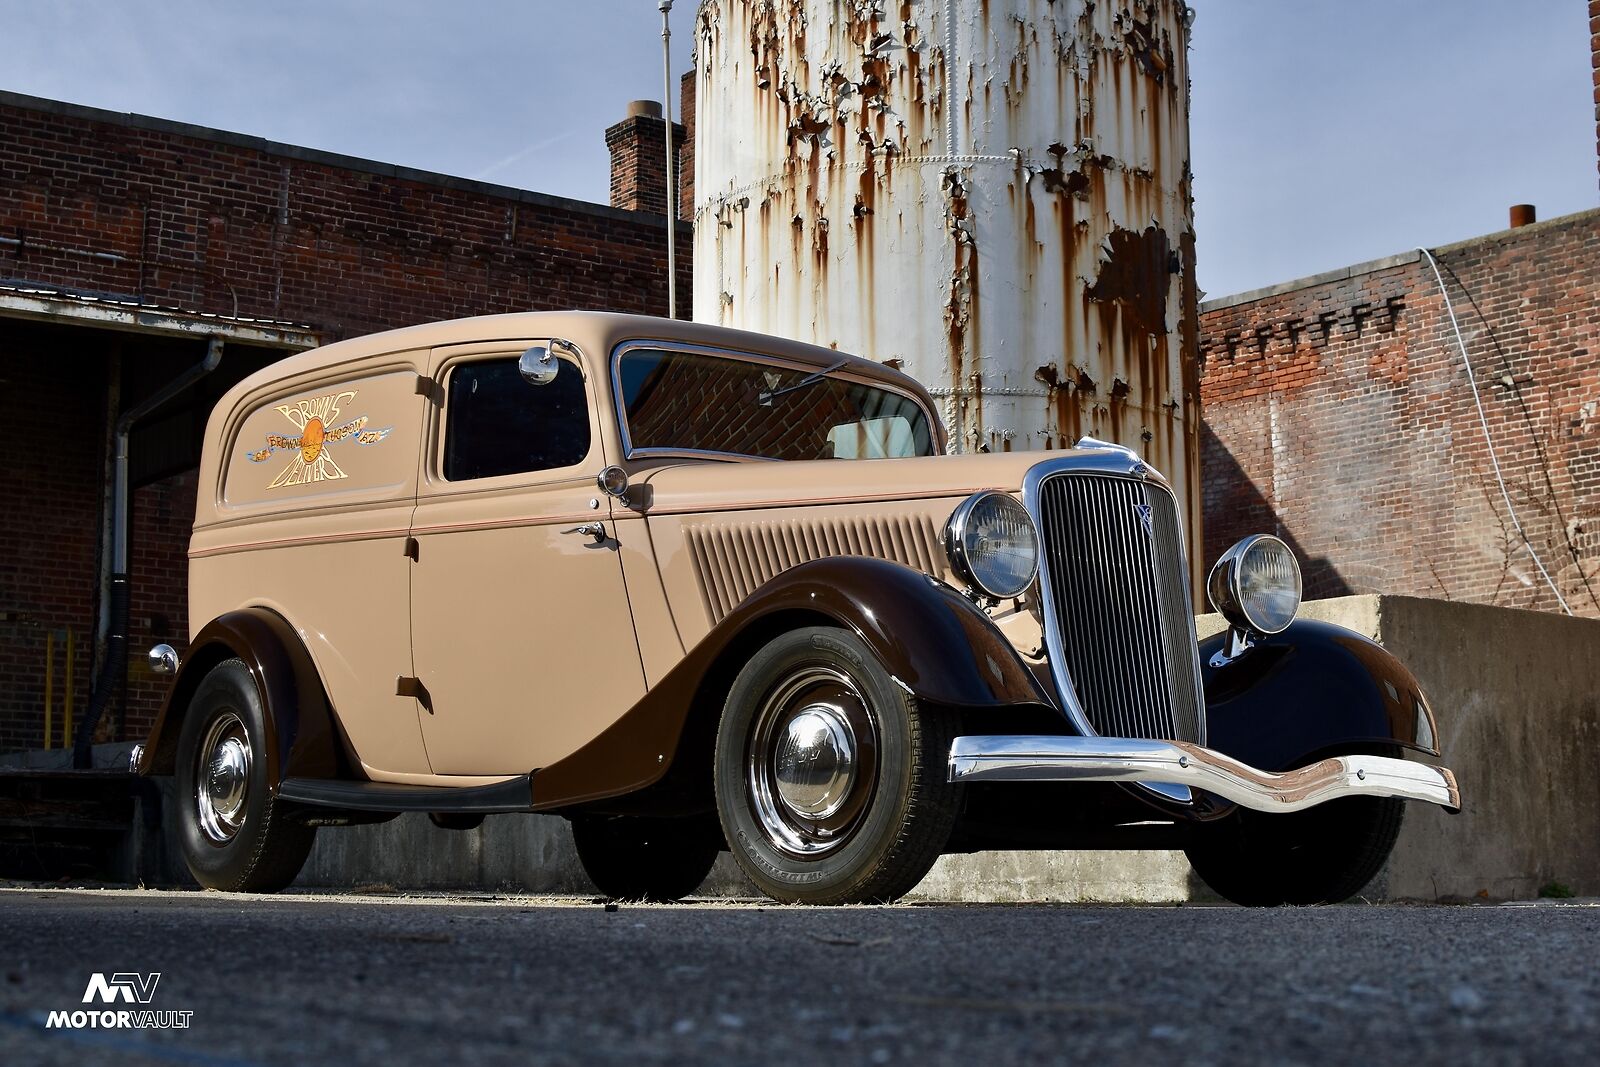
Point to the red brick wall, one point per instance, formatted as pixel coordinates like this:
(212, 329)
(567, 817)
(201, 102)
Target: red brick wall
(158, 560)
(343, 245)
(1339, 414)
(686, 157)
(52, 414)
(1594, 62)
(167, 214)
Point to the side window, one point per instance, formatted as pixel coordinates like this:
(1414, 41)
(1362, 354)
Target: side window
(496, 423)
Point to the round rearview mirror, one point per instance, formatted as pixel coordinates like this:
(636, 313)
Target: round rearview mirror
(538, 366)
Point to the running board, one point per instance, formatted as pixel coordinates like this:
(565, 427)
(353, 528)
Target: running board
(514, 794)
(1050, 758)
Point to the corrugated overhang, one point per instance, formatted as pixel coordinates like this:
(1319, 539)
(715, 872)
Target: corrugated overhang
(24, 301)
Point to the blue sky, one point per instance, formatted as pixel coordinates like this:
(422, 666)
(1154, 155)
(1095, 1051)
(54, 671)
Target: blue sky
(1322, 133)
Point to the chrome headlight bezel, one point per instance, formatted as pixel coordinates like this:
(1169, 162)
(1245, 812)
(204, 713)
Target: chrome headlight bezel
(966, 555)
(1224, 586)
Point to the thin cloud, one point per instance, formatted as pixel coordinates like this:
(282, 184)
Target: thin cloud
(520, 155)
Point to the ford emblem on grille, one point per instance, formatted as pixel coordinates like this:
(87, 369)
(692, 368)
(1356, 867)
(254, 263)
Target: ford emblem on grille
(1145, 519)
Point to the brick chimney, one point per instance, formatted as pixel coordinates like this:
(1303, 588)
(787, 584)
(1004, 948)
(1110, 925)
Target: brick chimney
(638, 157)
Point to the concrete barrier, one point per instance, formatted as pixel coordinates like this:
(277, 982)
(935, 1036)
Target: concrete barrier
(1517, 695)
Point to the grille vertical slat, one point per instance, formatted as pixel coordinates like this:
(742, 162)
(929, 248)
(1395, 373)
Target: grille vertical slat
(1120, 596)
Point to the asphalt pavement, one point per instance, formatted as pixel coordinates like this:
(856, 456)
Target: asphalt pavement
(352, 979)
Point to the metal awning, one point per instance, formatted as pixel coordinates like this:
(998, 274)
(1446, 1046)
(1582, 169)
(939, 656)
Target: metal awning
(26, 301)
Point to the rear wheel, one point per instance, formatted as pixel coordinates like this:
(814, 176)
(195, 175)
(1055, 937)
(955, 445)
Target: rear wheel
(233, 833)
(830, 778)
(633, 858)
(1322, 855)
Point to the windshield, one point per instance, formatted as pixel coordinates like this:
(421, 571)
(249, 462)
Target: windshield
(694, 401)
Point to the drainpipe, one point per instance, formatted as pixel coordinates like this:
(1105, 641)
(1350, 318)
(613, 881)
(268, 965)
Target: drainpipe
(114, 666)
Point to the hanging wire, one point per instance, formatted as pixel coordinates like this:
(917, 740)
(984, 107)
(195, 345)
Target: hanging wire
(1488, 437)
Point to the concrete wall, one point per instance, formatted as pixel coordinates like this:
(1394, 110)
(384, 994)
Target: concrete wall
(1517, 694)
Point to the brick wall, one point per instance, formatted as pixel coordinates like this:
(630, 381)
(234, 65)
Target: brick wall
(163, 213)
(53, 410)
(686, 157)
(200, 218)
(1339, 414)
(1594, 62)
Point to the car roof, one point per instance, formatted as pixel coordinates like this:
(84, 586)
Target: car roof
(601, 329)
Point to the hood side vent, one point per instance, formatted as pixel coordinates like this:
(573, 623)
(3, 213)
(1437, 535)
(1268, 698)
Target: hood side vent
(733, 560)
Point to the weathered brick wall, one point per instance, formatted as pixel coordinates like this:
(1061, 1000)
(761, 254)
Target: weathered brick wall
(1339, 414)
(53, 410)
(200, 218)
(1594, 62)
(686, 95)
(163, 213)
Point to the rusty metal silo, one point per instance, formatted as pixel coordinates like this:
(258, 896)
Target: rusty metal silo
(992, 193)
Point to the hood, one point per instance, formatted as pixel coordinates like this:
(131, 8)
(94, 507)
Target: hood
(711, 485)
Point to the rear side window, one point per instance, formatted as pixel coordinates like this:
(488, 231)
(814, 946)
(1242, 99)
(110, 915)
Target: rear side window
(498, 424)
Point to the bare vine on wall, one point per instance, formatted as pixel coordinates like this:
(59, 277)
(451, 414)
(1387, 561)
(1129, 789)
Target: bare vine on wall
(1539, 497)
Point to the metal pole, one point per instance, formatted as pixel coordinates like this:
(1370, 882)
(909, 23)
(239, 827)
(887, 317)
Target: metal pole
(672, 185)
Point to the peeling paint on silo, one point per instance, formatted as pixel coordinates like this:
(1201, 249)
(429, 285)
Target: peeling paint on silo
(994, 196)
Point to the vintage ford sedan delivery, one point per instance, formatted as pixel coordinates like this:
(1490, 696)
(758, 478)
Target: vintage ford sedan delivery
(701, 590)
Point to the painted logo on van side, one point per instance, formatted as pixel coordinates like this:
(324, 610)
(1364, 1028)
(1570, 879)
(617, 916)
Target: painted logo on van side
(314, 418)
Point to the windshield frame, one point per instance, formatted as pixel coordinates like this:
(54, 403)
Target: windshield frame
(849, 374)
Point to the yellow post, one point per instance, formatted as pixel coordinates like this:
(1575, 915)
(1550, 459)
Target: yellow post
(49, 682)
(66, 711)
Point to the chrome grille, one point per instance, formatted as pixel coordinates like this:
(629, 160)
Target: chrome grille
(1118, 589)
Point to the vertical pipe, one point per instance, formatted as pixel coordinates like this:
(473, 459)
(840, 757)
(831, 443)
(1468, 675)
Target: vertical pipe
(49, 685)
(672, 185)
(114, 665)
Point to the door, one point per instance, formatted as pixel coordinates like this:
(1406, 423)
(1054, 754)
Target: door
(521, 634)
(321, 482)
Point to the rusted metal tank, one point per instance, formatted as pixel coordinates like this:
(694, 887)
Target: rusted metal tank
(992, 194)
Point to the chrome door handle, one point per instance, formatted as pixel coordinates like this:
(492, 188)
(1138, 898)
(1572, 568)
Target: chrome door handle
(596, 530)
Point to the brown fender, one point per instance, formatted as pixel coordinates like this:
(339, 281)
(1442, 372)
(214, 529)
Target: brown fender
(302, 739)
(935, 641)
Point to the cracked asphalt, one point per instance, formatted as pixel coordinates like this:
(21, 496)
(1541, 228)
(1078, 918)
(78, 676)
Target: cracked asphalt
(352, 979)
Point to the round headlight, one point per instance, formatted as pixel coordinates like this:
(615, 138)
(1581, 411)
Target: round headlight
(993, 544)
(1256, 584)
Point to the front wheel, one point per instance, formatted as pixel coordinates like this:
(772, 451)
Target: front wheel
(1322, 855)
(233, 833)
(830, 778)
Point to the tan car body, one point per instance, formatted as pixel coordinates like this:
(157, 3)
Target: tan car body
(411, 635)
(391, 613)
(528, 640)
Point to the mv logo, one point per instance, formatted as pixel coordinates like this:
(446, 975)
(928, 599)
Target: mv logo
(127, 986)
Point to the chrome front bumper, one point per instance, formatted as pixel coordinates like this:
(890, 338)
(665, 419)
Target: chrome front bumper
(1048, 758)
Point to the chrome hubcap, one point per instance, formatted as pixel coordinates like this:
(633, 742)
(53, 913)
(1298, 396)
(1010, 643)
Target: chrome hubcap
(223, 781)
(812, 761)
(816, 761)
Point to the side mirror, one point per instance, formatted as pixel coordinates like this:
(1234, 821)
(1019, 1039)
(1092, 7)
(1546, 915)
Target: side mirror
(538, 366)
